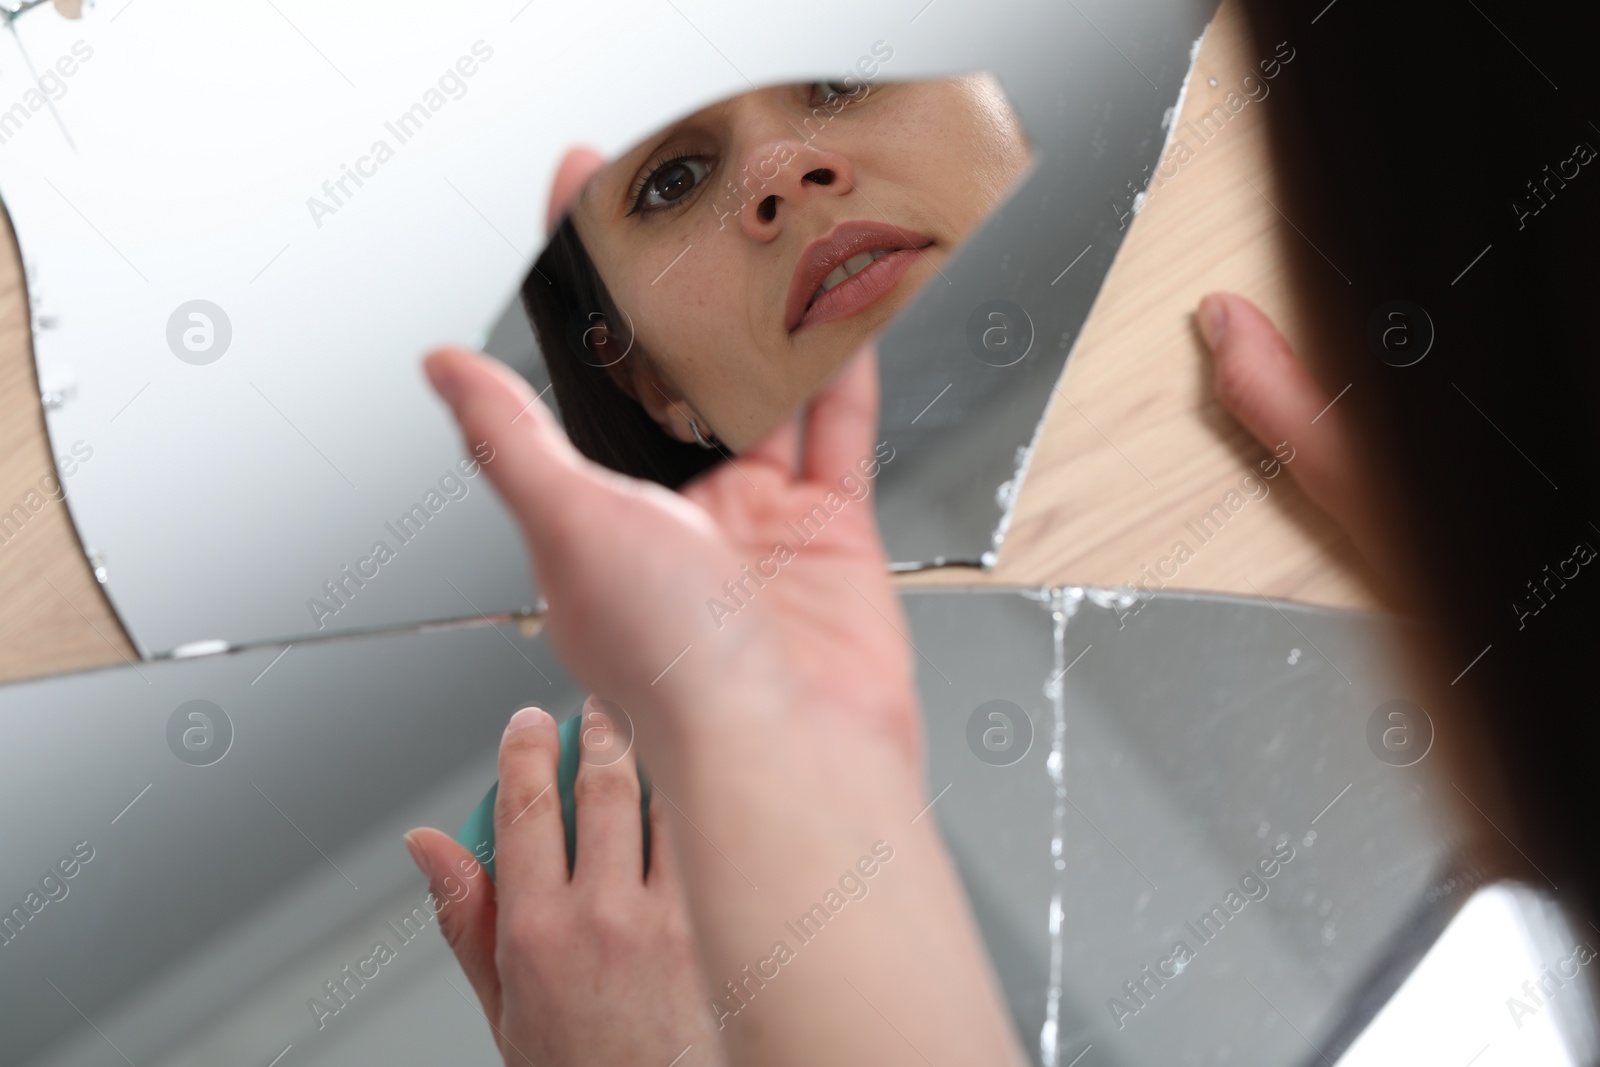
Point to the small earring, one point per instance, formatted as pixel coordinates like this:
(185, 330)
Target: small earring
(699, 438)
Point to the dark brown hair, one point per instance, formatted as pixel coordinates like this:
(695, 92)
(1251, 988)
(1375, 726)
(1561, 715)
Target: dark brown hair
(1392, 179)
(565, 299)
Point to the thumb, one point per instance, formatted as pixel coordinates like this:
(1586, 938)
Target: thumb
(842, 421)
(467, 918)
(1265, 386)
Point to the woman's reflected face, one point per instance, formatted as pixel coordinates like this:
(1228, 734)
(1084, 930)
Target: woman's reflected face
(757, 243)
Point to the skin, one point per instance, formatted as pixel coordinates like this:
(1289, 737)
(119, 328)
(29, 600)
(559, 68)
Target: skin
(748, 735)
(595, 968)
(788, 739)
(709, 335)
(1261, 382)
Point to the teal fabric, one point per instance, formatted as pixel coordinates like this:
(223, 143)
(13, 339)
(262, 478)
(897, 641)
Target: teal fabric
(477, 833)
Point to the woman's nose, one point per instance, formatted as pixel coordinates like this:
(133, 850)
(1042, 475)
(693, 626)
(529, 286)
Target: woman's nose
(778, 177)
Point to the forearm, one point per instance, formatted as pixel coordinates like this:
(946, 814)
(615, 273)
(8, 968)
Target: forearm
(831, 921)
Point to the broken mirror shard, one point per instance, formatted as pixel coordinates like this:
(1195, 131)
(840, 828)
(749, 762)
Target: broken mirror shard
(714, 275)
(707, 281)
(240, 350)
(1114, 777)
(1186, 803)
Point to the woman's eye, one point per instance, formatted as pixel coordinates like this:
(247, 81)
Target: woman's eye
(823, 92)
(671, 182)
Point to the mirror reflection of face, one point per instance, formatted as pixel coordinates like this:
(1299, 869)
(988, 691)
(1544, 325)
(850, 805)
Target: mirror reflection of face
(755, 244)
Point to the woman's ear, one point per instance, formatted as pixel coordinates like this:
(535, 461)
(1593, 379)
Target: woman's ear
(633, 372)
(639, 379)
(576, 168)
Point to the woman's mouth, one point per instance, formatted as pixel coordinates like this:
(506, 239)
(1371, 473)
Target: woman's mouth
(848, 270)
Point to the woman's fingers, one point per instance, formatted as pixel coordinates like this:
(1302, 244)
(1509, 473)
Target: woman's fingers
(551, 489)
(575, 169)
(664, 876)
(778, 448)
(1263, 385)
(530, 842)
(610, 838)
(842, 421)
(467, 918)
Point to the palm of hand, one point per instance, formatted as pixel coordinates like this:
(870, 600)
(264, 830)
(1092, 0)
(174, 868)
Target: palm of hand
(807, 564)
(633, 572)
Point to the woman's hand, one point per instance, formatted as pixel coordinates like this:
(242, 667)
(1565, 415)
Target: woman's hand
(781, 728)
(589, 970)
(1263, 385)
(737, 582)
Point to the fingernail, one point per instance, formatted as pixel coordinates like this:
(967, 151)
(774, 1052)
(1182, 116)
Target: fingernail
(440, 377)
(419, 857)
(529, 717)
(1212, 317)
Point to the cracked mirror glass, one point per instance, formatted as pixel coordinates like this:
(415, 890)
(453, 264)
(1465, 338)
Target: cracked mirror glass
(1185, 865)
(709, 279)
(242, 228)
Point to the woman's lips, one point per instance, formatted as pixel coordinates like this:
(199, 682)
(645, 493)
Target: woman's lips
(824, 255)
(860, 289)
